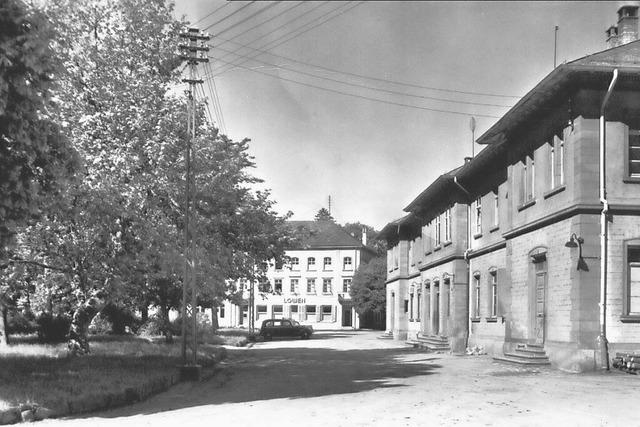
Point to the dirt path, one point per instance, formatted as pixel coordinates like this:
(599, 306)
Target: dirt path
(354, 379)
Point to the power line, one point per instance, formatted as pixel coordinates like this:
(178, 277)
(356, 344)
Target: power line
(229, 15)
(304, 31)
(364, 97)
(262, 23)
(393, 92)
(332, 70)
(242, 21)
(216, 100)
(212, 13)
(262, 37)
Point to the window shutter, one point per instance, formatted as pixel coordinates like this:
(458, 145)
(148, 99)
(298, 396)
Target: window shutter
(333, 313)
(502, 291)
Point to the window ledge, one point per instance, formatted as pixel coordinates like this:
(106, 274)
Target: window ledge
(477, 235)
(475, 319)
(491, 319)
(627, 318)
(428, 252)
(554, 191)
(437, 248)
(494, 228)
(631, 179)
(526, 205)
(447, 243)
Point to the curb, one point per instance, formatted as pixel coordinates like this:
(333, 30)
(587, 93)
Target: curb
(97, 402)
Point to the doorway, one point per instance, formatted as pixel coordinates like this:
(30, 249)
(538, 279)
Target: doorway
(435, 318)
(538, 295)
(346, 316)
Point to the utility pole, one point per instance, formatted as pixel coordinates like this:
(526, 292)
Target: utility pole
(194, 52)
(555, 46)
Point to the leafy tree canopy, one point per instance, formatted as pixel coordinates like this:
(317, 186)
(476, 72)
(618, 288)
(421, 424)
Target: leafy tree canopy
(324, 215)
(368, 290)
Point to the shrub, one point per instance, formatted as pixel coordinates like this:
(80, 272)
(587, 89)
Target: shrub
(53, 328)
(20, 322)
(100, 325)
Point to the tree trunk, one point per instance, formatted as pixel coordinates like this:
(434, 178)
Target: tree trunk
(214, 318)
(78, 332)
(3, 326)
(165, 324)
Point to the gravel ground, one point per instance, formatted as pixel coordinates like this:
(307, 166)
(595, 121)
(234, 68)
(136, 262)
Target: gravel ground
(354, 379)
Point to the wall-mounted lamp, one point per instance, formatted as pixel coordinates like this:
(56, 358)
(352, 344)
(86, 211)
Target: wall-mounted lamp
(576, 241)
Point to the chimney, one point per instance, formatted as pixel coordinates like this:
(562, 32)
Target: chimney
(627, 24)
(364, 236)
(467, 160)
(612, 37)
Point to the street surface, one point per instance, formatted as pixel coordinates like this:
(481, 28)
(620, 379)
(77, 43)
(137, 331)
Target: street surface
(348, 378)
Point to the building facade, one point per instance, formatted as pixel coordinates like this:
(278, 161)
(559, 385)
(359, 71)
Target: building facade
(543, 255)
(312, 287)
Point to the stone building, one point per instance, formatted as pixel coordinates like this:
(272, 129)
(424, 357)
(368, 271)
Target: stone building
(524, 249)
(313, 287)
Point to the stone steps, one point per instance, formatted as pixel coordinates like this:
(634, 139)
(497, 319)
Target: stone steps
(525, 354)
(386, 336)
(433, 342)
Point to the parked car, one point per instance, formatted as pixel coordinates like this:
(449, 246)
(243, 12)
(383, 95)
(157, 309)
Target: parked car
(284, 328)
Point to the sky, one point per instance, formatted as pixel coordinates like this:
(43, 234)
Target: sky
(454, 60)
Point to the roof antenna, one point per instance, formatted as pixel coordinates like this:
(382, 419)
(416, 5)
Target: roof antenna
(472, 126)
(555, 46)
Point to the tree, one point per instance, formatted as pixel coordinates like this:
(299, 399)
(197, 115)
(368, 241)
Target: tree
(35, 158)
(324, 215)
(116, 232)
(368, 290)
(355, 229)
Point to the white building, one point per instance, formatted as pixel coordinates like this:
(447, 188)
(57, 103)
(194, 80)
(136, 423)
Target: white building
(313, 287)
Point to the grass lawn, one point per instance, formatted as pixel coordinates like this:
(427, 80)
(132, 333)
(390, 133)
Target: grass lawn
(42, 374)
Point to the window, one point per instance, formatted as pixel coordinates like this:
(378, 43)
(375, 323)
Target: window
(327, 263)
(426, 239)
(311, 263)
(295, 287)
(326, 286)
(395, 252)
(277, 285)
(447, 284)
(633, 156)
(632, 294)
(277, 310)
(493, 277)
(406, 306)
(437, 230)
(261, 309)
(327, 311)
(447, 225)
(221, 312)
(556, 163)
(311, 312)
(311, 286)
(294, 310)
(527, 179)
(478, 215)
(419, 306)
(346, 285)
(295, 263)
(411, 306)
(476, 295)
(346, 263)
(411, 257)
(496, 212)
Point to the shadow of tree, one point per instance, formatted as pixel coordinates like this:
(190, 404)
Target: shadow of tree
(289, 373)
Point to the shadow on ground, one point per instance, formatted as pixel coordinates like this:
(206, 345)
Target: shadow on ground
(289, 373)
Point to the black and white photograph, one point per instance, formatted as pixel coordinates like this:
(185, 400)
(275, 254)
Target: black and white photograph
(319, 213)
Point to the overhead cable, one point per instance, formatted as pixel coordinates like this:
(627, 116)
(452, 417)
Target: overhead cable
(362, 96)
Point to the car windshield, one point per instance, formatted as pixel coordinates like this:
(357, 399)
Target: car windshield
(294, 323)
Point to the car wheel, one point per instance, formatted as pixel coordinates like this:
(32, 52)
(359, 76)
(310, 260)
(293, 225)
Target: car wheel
(304, 336)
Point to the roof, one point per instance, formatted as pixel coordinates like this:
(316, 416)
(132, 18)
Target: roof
(591, 69)
(392, 230)
(442, 186)
(322, 235)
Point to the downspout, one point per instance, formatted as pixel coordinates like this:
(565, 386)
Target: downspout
(466, 257)
(602, 350)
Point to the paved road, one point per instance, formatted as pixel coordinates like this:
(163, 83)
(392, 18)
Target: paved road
(355, 379)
